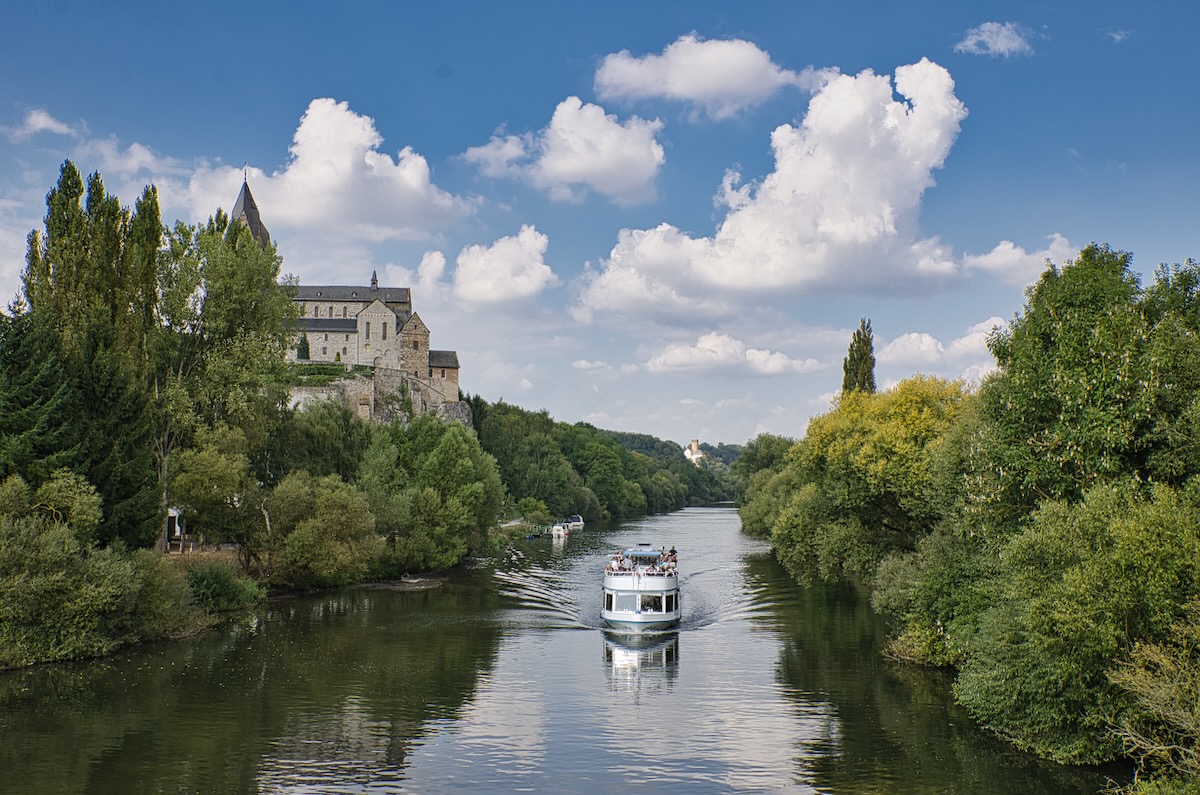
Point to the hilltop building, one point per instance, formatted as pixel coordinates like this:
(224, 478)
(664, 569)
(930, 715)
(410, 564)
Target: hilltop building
(693, 452)
(374, 326)
(369, 326)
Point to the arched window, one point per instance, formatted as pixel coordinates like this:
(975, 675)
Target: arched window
(385, 331)
(343, 311)
(316, 311)
(414, 348)
(368, 329)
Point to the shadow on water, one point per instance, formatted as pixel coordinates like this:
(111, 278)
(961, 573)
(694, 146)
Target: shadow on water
(316, 688)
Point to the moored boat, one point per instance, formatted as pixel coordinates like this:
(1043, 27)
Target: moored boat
(641, 589)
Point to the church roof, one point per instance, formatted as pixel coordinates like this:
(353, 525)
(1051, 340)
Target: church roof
(338, 324)
(246, 211)
(443, 359)
(323, 292)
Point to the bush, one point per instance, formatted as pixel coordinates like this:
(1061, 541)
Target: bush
(216, 587)
(60, 600)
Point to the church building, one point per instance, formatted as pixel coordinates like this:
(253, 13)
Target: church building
(367, 325)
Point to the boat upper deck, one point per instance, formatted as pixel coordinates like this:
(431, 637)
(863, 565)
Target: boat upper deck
(643, 560)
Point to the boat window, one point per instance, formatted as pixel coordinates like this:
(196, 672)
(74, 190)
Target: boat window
(608, 601)
(670, 603)
(652, 603)
(627, 602)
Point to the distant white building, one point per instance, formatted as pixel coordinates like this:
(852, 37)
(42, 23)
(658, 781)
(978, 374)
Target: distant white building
(693, 453)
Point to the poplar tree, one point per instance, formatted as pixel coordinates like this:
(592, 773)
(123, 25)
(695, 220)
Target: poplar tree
(858, 367)
(89, 289)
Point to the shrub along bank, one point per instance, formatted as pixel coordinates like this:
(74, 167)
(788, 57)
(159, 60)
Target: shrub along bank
(1039, 533)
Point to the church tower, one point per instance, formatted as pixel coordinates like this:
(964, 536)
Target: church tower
(246, 211)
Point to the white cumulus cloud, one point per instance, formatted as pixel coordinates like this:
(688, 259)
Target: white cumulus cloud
(583, 148)
(38, 121)
(338, 183)
(509, 269)
(1015, 265)
(716, 352)
(1003, 39)
(840, 207)
(968, 352)
(721, 77)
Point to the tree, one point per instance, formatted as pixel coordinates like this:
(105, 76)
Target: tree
(867, 469)
(224, 321)
(434, 491)
(321, 531)
(1072, 401)
(1163, 678)
(858, 367)
(89, 285)
(1077, 589)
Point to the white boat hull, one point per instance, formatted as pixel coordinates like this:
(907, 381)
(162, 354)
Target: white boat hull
(641, 602)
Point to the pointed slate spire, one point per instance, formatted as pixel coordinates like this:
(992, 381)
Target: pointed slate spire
(374, 281)
(246, 211)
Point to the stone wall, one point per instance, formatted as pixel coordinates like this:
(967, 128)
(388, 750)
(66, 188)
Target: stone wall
(383, 397)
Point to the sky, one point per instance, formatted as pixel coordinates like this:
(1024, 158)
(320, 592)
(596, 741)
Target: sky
(666, 218)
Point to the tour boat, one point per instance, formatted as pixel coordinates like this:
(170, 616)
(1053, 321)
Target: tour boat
(641, 589)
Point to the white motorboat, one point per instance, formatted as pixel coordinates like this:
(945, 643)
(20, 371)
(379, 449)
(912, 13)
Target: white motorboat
(573, 522)
(641, 589)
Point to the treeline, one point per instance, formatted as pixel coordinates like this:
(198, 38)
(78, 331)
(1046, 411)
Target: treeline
(142, 369)
(1039, 534)
(563, 469)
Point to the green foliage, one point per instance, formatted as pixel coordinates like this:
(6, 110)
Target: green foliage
(69, 499)
(1073, 399)
(61, 600)
(302, 349)
(1162, 731)
(213, 485)
(216, 587)
(323, 438)
(595, 473)
(534, 512)
(319, 532)
(765, 451)
(935, 596)
(866, 480)
(1074, 592)
(434, 491)
(858, 368)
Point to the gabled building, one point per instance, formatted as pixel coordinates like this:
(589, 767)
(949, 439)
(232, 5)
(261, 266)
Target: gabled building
(374, 326)
(369, 325)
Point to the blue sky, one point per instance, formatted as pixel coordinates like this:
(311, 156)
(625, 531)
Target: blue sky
(655, 217)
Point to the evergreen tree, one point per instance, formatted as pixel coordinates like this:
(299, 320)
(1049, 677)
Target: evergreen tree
(859, 365)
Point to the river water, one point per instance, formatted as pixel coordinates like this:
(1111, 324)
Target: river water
(501, 679)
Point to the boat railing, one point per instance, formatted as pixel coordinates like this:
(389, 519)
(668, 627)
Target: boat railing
(648, 571)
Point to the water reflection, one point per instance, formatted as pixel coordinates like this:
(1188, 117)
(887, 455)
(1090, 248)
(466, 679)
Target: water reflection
(501, 680)
(641, 663)
(896, 726)
(311, 689)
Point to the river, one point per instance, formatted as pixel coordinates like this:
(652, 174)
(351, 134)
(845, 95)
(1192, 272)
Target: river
(501, 679)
